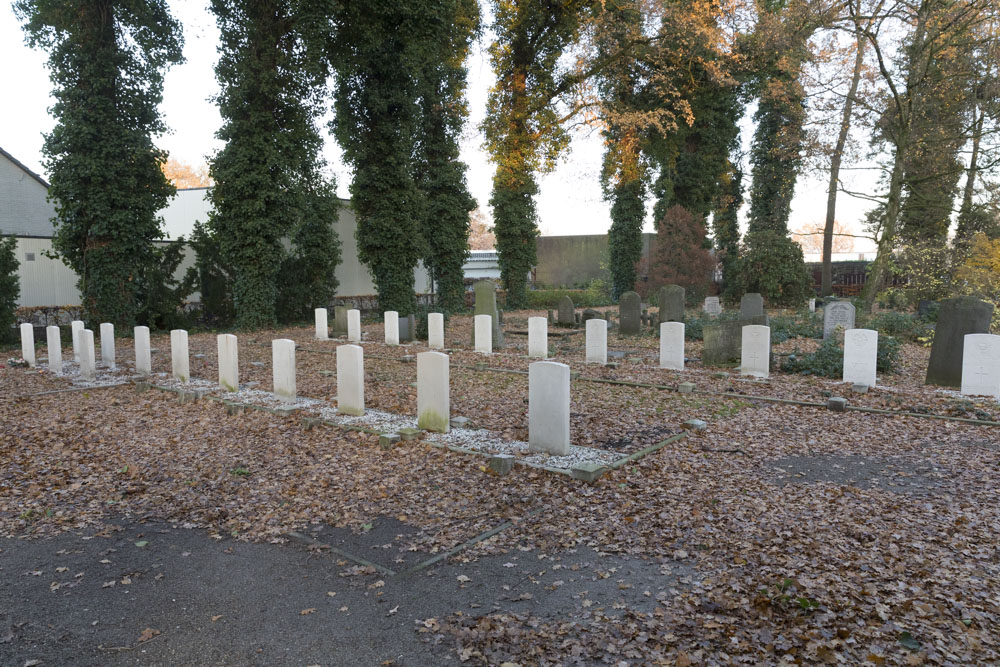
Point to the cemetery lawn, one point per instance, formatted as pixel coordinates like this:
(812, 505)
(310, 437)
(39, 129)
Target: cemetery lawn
(135, 528)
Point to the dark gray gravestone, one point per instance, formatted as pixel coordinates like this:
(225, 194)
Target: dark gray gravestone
(670, 300)
(407, 328)
(629, 312)
(590, 314)
(724, 341)
(486, 304)
(837, 314)
(956, 318)
(566, 317)
(340, 320)
(751, 305)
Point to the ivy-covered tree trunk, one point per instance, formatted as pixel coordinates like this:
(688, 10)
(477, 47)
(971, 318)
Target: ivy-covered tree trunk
(516, 228)
(776, 156)
(726, 227)
(107, 59)
(628, 212)
(10, 288)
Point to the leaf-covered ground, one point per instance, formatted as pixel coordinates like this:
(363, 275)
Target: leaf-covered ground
(803, 535)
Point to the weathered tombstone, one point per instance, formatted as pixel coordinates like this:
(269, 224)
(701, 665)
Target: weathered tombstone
(629, 312)
(837, 314)
(229, 362)
(566, 312)
(179, 362)
(407, 328)
(860, 356)
(55, 348)
(351, 380)
(755, 354)
(548, 407)
(433, 404)
(486, 304)
(597, 342)
(712, 306)
(75, 327)
(981, 365)
(322, 325)
(143, 351)
(88, 362)
(283, 368)
(956, 319)
(435, 330)
(354, 325)
(672, 345)
(590, 314)
(812, 305)
(723, 341)
(670, 300)
(108, 345)
(751, 305)
(391, 327)
(28, 344)
(483, 333)
(340, 320)
(538, 337)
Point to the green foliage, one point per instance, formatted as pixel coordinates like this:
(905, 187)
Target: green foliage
(272, 73)
(828, 359)
(628, 211)
(772, 264)
(597, 294)
(726, 229)
(212, 277)
(906, 326)
(107, 61)
(308, 280)
(681, 257)
(802, 324)
(10, 288)
(160, 294)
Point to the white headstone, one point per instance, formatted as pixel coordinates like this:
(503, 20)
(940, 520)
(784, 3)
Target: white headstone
(548, 407)
(433, 402)
(837, 314)
(860, 356)
(179, 363)
(143, 352)
(351, 380)
(391, 327)
(88, 363)
(354, 325)
(812, 305)
(756, 354)
(672, 345)
(981, 365)
(538, 337)
(435, 330)
(75, 327)
(108, 345)
(322, 324)
(712, 305)
(597, 341)
(484, 334)
(54, 341)
(28, 343)
(283, 368)
(229, 362)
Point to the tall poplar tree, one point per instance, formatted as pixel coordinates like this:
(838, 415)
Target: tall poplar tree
(107, 60)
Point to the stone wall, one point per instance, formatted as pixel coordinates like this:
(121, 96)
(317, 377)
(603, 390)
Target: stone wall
(573, 261)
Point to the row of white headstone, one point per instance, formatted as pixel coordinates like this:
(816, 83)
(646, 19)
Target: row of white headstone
(435, 327)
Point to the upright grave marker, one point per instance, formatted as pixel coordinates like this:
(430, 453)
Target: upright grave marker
(28, 344)
(143, 351)
(597, 341)
(751, 305)
(75, 327)
(956, 319)
(548, 407)
(538, 337)
(354, 325)
(391, 319)
(672, 345)
(52, 337)
(860, 356)
(486, 304)
(756, 351)
(670, 300)
(351, 380)
(229, 364)
(283, 368)
(433, 403)
(340, 320)
(108, 345)
(712, 306)
(88, 362)
(322, 325)
(981, 365)
(567, 312)
(407, 328)
(179, 362)
(483, 333)
(435, 330)
(812, 305)
(837, 314)
(630, 313)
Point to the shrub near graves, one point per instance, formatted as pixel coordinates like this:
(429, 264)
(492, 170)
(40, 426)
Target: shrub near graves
(828, 360)
(800, 325)
(10, 289)
(900, 325)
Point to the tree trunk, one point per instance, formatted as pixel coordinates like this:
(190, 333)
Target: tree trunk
(880, 267)
(826, 286)
(964, 233)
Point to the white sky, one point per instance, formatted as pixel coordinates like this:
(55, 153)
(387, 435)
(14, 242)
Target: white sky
(569, 202)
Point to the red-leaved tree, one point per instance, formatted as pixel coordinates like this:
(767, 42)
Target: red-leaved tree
(681, 257)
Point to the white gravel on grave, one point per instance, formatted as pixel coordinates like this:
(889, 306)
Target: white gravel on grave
(167, 380)
(269, 400)
(479, 440)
